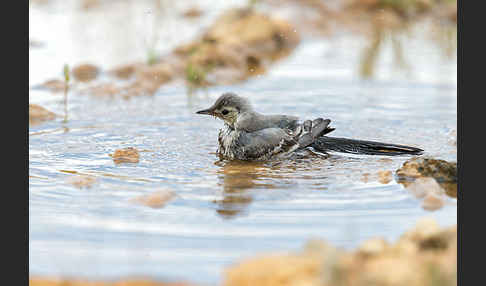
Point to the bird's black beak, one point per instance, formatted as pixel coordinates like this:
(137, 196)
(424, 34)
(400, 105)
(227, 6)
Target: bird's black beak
(208, 111)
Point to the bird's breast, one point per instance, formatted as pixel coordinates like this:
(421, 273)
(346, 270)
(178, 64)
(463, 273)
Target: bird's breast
(228, 141)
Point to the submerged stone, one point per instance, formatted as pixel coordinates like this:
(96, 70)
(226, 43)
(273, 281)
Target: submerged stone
(125, 155)
(155, 200)
(385, 177)
(82, 181)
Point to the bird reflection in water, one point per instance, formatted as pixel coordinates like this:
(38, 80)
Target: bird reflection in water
(237, 178)
(240, 178)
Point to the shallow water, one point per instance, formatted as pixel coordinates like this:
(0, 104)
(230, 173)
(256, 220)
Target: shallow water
(225, 211)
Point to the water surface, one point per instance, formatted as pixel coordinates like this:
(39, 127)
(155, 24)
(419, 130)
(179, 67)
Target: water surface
(225, 211)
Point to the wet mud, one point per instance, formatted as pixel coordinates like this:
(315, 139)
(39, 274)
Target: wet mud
(424, 255)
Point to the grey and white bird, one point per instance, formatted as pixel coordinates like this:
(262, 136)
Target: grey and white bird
(249, 135)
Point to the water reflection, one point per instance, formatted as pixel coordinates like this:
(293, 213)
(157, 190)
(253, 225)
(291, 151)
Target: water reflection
(308, 196)
(237, 178)
(450, 188)
(240, 178)
(443, 36)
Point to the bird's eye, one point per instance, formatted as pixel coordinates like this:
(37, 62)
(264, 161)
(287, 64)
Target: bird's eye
(224, 112)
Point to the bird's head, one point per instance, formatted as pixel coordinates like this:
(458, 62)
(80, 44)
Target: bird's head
(228, 107)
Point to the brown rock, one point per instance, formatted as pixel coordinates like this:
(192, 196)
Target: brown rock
(82, 181)
(85, 72)
(445, 173)
(38, 114)
(365, 177)
(155, 200)
(441, 170)
(385, 177)
(126, 155)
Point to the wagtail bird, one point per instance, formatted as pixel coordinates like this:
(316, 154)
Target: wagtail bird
(249, 135)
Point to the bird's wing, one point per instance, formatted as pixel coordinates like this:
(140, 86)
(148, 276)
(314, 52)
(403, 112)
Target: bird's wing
(309, 131)
(267, 142)
(319, 126)
(252, 121)
(264, 143)
(282, 121)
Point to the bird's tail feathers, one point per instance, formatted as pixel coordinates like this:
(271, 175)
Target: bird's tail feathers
(344, 145)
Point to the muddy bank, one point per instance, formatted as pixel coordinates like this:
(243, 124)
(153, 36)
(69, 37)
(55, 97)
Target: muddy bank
(240, 44)
(38, 281)
(244, 42)
(425, 255)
